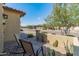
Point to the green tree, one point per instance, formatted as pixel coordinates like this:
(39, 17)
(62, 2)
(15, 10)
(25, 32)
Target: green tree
(64, 15)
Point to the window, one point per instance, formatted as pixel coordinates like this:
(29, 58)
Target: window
(5, 16)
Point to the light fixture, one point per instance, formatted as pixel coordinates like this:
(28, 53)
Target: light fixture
(4, 22)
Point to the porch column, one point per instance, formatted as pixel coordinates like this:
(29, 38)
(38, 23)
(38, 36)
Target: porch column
(1, 29)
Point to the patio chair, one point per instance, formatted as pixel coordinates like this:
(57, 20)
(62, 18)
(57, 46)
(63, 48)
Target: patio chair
(17, 40)
(28, 48)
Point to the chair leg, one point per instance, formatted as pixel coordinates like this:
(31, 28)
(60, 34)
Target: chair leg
(23, 54)
(42, 51)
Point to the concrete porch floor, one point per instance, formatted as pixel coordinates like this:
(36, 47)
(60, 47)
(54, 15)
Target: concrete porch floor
(12, 46)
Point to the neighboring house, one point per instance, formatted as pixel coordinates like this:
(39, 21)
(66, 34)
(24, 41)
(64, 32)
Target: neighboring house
(39, 28)
(9, 23)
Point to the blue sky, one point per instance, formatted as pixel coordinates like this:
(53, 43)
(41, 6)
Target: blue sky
(35, 12)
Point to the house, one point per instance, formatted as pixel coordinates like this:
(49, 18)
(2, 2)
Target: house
(9, 23)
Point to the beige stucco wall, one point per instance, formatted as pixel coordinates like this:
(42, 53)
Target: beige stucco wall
(1, 29)
(61, 40)
(12, 25)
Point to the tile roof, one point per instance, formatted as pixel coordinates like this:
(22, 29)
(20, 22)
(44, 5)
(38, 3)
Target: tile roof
(9, 8)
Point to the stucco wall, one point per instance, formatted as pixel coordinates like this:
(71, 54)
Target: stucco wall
(1, 29)
(12, 25)
(61, 40)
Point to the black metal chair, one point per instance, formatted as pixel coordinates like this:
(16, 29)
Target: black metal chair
(28, 48)
(16, 36)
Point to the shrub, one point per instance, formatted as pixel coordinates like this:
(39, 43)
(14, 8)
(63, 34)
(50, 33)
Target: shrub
(30, 35)
(51, 52)
(68, 50)
(55, 44)
(71, 35)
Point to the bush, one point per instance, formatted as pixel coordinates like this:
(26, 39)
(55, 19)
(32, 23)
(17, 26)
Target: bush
(55, 44)
(69, 51)
(30, 35)
(69, 54)
(51, 52)
(71, 35)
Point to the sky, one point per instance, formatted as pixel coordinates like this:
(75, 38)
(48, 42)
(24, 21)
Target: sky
(36, 13)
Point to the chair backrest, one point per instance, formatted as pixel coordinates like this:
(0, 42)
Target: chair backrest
(27, 47)
(17, 39)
